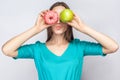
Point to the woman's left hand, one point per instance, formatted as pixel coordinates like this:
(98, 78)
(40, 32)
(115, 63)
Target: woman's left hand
(76, 23)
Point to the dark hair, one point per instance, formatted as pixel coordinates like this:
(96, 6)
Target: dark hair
(69, 33)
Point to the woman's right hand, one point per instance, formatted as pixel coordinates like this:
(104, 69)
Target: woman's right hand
(40, 24)
(10, 48)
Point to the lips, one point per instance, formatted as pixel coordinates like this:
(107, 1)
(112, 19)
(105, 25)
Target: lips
(58, 27)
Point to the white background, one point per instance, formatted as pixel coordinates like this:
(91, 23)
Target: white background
(16, 16)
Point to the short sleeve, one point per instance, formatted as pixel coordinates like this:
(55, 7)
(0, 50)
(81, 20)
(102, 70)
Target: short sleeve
(26, 51)
(91, 48)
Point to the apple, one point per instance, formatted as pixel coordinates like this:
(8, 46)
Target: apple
(51, 17)
(66, 15)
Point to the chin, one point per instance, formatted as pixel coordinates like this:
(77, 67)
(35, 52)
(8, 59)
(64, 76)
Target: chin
(58, 33)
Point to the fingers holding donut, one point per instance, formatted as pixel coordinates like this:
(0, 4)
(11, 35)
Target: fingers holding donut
(43, 12)
(51, 17)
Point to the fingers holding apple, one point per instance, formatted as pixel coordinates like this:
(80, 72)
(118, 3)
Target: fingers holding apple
(67, 16)
(76, 22)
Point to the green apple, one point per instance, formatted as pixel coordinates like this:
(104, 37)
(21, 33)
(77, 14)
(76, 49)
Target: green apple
(66, 15)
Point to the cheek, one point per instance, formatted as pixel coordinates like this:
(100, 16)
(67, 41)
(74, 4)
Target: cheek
(65, 28)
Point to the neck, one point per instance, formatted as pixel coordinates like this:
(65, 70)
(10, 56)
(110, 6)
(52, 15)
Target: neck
(58, 39)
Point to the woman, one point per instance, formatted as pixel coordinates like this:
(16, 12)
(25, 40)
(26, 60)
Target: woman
(61, 56)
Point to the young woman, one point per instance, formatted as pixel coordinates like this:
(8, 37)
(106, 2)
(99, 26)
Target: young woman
(61, 56)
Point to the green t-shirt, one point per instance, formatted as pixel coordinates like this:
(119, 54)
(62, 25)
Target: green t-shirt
(68, 66)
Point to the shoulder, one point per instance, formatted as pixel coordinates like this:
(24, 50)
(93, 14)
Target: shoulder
(39, 43)
(32, 45)
(76, 40)
(79, 42)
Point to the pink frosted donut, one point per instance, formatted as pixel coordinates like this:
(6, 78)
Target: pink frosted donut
(51, 17)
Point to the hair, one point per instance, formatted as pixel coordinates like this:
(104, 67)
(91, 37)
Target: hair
(68, 33)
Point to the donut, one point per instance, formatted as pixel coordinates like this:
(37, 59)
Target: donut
(51, 17)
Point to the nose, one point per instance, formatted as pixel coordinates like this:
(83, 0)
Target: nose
(58, 21)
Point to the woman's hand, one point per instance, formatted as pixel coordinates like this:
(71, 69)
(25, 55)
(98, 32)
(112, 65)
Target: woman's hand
(40, 23)
(108, 44)
(77, 23)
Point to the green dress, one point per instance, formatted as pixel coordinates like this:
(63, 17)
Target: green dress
(68, 66)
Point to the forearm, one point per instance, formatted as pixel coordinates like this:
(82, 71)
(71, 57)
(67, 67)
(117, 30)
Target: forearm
(108, 43)
(14, 43)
